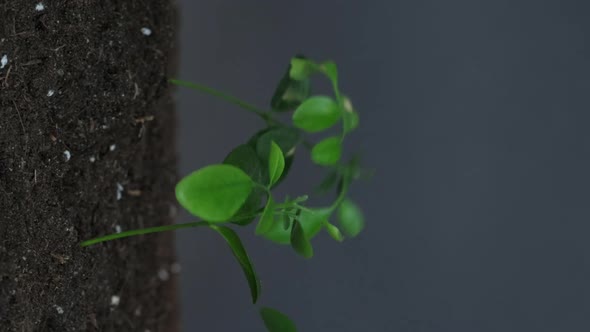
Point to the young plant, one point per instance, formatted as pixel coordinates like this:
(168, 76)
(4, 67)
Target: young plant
(239, 190)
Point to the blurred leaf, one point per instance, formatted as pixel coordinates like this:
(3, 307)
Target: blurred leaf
(313, 220)
(276, 163)
(328, 182)
(329, 68)
(276, 321)
(311, 223)
(267, 219)
(334, 232)
(316, 114)
(234, 242)
(289, 93)
(300, 242)
(301, 68)
(214, 193)
(351, 218)
(328, 151)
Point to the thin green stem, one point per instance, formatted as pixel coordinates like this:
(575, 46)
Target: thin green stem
(142, 231)
(238, 102)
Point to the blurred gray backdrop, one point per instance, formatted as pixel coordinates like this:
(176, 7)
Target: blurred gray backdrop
(474, 115)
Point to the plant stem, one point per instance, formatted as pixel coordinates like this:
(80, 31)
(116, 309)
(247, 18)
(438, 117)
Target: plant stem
(249, 107)
(142, 231)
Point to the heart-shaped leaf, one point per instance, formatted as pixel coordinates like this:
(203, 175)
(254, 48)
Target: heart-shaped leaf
(214, 193)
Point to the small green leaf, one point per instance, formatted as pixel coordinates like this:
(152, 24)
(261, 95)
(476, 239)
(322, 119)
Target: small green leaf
(329, 69)
(351, 218)
(310, 220)
(234, 242)
(313, 220)
(290, 93)
(328, 151)
(316, 114)
(276, 321)
(276, 163)
(214, 193)
(300, 242)
(301, 68)
(267, 219)
(334, 232)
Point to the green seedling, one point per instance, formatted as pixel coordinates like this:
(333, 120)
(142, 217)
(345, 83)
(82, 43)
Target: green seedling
(239, 190)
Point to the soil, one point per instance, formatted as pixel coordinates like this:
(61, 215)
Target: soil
(86, 147)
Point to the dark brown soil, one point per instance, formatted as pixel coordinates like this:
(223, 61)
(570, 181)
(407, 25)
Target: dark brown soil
(111, 110)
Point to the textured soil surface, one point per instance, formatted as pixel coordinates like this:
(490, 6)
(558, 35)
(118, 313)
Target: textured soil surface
(86, 148)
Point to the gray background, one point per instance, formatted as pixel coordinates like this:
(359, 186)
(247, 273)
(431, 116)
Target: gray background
(475, 116)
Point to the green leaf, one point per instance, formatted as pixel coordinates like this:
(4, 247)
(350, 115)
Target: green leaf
(334, 232)
(233, 240)
(351, 218)
(214, 193)
(245, 158)
(316, 114)
(288, 164)
(286, 138)
(267, 219)
(328, 151)
(276, 163)
(312, 220)
(301, 68)
(289, 93)
(329, 69)
(300, 242)
(276, 321)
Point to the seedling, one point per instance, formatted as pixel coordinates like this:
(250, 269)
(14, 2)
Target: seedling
(239, 190)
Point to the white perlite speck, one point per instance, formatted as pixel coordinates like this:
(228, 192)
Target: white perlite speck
(163, 274)
(50, 93)
(40, 7)
(118, 229)
(115, 300)
(119, 191)
(59, 309)
(67, 155)
(92, 159)
(4, 61)
(146, 31)
(112, 147)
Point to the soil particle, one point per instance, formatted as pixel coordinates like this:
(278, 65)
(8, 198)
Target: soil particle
(75, 78)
